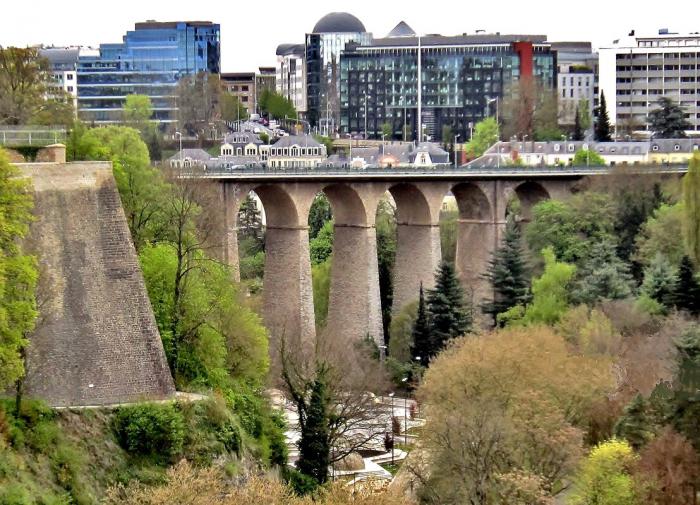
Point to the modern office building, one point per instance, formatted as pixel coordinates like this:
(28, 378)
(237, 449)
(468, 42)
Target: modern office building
(324, 46)
(151, 60)
(460, 79)
(637, 70)
(577, 79)
(265, 79)
(291, 74)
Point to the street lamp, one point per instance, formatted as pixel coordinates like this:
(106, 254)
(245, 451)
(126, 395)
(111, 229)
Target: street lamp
(405, 435)
(383, 142)
(180, 137)
(454, 148)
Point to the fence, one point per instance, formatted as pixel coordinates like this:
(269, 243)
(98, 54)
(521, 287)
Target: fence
(15, 136)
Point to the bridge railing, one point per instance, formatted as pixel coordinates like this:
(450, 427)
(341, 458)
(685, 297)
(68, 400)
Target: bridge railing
(31, 135)
(442, 169)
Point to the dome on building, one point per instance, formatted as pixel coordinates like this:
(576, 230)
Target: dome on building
(402, 30)
(339, 22)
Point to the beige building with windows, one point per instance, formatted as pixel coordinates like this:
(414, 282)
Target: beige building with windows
(296, 151)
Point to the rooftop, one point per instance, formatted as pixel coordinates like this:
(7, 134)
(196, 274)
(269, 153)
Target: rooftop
(161, 25)
(339, 22)
(456, 40)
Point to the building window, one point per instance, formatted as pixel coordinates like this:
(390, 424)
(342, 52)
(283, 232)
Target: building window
(69, 77)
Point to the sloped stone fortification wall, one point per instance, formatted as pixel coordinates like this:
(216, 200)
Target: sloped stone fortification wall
(96, 340)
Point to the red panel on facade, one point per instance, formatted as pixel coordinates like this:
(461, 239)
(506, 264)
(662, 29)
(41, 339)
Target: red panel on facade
(524, 51)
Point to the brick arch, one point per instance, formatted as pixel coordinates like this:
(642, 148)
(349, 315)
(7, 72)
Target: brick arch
(279, 206)
(412, 205)
(472, 202)
(347, 205)
(530, 193)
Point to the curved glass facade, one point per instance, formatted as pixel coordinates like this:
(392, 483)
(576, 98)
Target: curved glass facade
(150, 61)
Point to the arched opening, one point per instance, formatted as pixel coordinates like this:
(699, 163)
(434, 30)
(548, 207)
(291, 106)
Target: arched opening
(475, 238)
(320, 222)
(524, 198)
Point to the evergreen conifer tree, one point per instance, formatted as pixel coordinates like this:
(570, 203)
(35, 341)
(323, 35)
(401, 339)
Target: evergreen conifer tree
(508, 274)
(314, 445)
(634, 424)
(421, 332)
(578, 131)
(687, 293)
(660, 281)
(668, 121)
(602, 126)
(449, 318)
(602, 275)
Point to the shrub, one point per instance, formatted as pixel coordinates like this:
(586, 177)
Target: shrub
(150, 429)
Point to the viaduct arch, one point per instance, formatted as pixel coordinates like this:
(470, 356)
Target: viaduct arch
(354, 304)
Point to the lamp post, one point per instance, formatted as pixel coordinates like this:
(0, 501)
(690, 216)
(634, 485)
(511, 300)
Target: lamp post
(454, 148)
(405, 435)
(180, 137)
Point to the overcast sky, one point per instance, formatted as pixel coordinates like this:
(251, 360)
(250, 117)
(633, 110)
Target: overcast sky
(252, 29)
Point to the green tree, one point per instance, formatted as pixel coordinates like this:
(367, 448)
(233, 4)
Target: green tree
(485, 135)
(198, 99)
(401, 332)
(508, 274)
(684, 411)
(137, 111)
(321, 247)
(687, 292)
(314, 444)
(602, 275)
(18, 273)
(422, 341)
(660, 280)
(659, 235)
(321, 284)
(387, 131)
(571, 228)
(449, 317)
(578, 130)
(602, 127)
(385, 224)
(583, 115)
(276, 106)
(691, 207)
(634, 425)
(319, 213)
(604, 477)
(550, 295)
(586, 157)
(142, 188)
(668, 121)
(250, 222)
(232, 109)
(57, 109)
(23, 84)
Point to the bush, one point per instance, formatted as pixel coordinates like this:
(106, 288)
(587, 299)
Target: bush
(150, 430)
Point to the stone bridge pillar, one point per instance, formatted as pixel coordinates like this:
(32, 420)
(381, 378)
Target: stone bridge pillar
(354, 308)
(418, 251)
(477, 237)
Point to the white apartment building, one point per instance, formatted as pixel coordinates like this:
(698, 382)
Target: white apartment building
(291, 74)
(636, 71)
(63, 64)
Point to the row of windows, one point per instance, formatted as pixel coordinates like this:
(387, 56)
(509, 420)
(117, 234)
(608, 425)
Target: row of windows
(295, 151)
(291, 164)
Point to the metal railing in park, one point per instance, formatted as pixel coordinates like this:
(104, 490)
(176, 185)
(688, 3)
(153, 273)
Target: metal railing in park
(37, 136)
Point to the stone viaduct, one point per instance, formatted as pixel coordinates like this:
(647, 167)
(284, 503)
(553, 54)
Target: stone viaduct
(354, 307)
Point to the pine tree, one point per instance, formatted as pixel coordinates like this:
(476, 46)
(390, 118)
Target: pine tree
(508, 274)
(687, 293)
(249, 219)
(449, 318)
(634, 424)
(602, 275)
(602, 126)
(668, 121)
(660, 281)
(421, 332)
(578, 131)
(314, 445)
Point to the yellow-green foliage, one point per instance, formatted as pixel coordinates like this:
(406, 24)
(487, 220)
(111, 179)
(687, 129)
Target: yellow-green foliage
(18, 272)
(321, 282)
(691, 205)
(604, 476)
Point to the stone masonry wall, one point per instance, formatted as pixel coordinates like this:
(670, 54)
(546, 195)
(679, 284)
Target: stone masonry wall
(96, 341)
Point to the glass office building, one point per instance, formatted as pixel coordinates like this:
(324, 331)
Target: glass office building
(323, 49)
(150, 61)
(460, 77)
